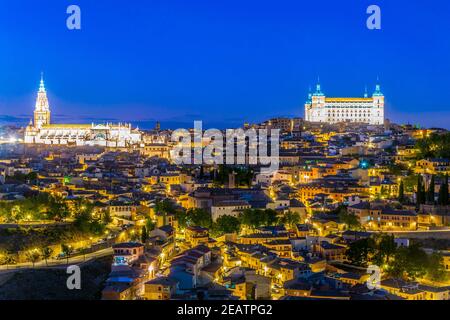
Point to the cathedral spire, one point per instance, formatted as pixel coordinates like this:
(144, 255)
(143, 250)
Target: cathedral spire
(41, 85)
(42, 108)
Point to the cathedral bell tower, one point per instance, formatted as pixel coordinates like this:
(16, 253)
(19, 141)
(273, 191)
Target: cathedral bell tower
(42, 109)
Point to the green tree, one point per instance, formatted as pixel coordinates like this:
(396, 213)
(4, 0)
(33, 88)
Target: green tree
(251, 218)
(67, 251)
(46, 253)
(3, 257)
(226, 224)
(56, 207)
(144, 234)
(384, 192)
(409, 262)
(436, 268)
(182, 218)
(199, 217)
(385, 248)
(420, 193)
(10, 260)
(254, 218)
(270, 217)
(348, 219)
(434, 146)
(443, 199)
(149, 224)
(290, 219)
(360, 252)
(106, 217)
(164, 206)
(33, 256)
(430, 192)
(401, 193)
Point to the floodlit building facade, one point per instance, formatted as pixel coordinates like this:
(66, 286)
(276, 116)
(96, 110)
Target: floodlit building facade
(370, 110)
(41, 131)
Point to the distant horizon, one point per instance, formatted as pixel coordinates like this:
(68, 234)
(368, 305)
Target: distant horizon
(224, 63)
(150, 124)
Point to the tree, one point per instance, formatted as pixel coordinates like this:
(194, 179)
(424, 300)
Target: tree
(144, 234)
(435, 267)
(46, 253)
(164, 206)
(67, 251)
(10, 260)
(417, 262)
(254, 218)
(401, 193)
(57, 208)
(149, 224)
(384, 192)
(349, 219)
(359, 252)
(430, 192)
(290, 219)
(434, 146)
(106, 217)
(33, 256)
(199, 217)
(397, 267)
(409, 262)
(270, 217)
(420, 193)
(3, 257)
(226, 224)
(385, 248)
(181, 217)
(443, 192)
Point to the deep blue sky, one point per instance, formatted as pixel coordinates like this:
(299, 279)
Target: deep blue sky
(224, 62)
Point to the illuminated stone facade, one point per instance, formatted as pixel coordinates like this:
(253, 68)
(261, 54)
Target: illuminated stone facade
(41, 131)
(370, 110)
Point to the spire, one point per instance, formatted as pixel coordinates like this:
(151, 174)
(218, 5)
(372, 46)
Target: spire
(41, 85)
(318, 90)
(378, 88)
(309, 96)
(365, 92)
(42, 101)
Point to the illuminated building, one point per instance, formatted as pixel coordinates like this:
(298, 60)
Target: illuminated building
(370, 110)
(41, 131)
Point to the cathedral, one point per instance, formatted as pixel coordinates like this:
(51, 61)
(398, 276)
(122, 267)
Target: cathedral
(369, 110)
(42, 131)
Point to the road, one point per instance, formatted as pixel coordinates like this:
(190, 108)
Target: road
(58, 263)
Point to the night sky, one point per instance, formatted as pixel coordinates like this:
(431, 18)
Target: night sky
(223, 62)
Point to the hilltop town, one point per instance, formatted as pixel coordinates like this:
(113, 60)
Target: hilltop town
(346, 196)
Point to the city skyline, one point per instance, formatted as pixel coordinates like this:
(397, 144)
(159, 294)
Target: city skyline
(234, 65)
(233, 158)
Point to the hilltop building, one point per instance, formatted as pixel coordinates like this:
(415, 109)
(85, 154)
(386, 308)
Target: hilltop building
(370, 110)
(41, 131)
